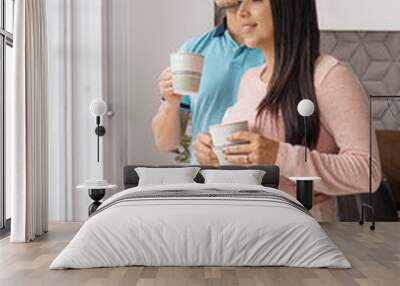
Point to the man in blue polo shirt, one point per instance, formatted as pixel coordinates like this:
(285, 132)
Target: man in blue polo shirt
(226, 59)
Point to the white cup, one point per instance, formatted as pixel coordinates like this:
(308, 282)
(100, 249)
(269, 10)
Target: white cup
(186, 72)
(220, 133)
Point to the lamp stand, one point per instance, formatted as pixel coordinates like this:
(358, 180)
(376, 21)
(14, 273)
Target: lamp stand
(369, 206)
(305, 193)
(305, 138)
(100, 131)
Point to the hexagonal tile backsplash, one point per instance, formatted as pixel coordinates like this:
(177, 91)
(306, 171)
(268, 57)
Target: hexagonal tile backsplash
(375, 58)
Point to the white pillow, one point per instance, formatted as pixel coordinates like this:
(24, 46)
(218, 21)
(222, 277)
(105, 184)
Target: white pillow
(166, 176)
(247, 177)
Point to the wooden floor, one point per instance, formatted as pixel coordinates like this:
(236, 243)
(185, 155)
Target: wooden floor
(375, 257)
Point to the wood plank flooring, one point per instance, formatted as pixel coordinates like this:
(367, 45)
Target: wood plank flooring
(375, 257)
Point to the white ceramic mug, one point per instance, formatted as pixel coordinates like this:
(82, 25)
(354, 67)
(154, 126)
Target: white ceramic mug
(220, 133)
(186, 72)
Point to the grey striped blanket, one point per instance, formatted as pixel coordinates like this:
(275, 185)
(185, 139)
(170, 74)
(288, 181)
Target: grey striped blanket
(205, 194)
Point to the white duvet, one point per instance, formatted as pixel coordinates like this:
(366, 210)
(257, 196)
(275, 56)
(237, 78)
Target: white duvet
(200, 232)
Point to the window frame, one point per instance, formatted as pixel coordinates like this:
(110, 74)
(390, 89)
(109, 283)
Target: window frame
(6, 39)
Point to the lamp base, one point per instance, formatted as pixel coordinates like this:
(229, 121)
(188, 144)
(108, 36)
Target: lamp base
(305, 193)
(364, 208)
(96, 195)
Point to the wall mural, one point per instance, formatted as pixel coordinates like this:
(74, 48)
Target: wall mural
(375, 59)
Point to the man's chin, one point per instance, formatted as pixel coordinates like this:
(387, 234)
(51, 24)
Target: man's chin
(224, 4)
(251, 43)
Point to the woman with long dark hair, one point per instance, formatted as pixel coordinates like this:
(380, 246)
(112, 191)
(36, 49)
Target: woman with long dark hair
(287, 32)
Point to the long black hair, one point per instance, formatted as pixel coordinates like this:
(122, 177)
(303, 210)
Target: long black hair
(297, 40)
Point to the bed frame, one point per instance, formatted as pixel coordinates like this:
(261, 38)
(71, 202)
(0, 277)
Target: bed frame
(271, 178)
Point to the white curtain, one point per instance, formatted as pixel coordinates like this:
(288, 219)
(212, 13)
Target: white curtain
(60, 110)
(75, 78)
(27, 122)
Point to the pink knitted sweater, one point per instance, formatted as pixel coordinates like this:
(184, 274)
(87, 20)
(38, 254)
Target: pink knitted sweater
(341, 157)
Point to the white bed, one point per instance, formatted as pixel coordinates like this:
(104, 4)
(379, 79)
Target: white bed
(201, 231)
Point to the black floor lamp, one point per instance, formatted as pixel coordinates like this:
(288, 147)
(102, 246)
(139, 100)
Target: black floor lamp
(370, 205)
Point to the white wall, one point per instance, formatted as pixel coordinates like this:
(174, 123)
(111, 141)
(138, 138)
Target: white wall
(141, 35)
(359, 15)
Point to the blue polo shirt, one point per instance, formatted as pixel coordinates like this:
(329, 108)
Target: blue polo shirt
(224, 64)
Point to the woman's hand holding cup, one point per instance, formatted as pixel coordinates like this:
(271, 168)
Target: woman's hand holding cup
(166, 88)
(203, 150)
(258, 151)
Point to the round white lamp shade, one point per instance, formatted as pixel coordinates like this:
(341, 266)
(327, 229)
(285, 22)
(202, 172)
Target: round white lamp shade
(305, 107)
(98, 107)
